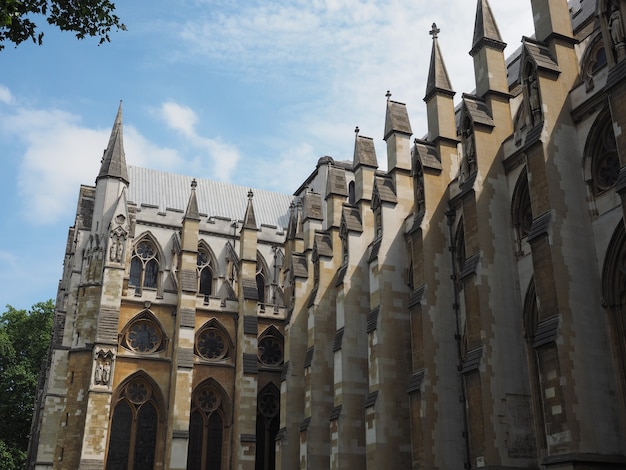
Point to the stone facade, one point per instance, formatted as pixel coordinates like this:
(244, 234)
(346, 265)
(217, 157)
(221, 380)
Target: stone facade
(463, 308)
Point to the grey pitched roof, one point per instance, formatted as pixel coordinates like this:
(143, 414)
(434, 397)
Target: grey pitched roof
(427, 154)
(324, 244)
(351, 216)
(384, 187)
(312, 206)
(215, 198)
(438, 79)
(540, 54)
(478, 110)
(485, 29)
(336, 182)
(364, 152)
(114, 160)
(397, 119)
(299, 264)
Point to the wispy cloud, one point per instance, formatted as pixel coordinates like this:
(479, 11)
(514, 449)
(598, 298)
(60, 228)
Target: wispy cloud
(5, 95)
(217, 159)
(344, 54)
(58, 153)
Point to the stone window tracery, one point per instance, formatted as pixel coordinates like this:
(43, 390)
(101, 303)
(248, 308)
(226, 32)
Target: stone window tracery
(134, 427)
(270, 348)
(212, 343)
(205, 272)
(602, 165)
(267, 426)
(143, 335)
(206, 429)
(521, 211)
(144, 266)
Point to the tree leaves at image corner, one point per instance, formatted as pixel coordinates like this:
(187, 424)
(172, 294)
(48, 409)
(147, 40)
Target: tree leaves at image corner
(94, 18)
(24, 342)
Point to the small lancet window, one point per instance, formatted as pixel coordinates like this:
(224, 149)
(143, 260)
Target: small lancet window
(205, 273)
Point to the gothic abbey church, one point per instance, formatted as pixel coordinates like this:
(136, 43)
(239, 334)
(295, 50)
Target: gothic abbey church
(465, 308)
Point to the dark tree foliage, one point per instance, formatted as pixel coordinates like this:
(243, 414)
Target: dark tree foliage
(24, 341)
(82, 17)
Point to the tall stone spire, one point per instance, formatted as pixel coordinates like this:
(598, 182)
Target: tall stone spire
(192, 206)
(438, 79)
(114, 159)
(249, 220)
(485, 28)
(488, 53)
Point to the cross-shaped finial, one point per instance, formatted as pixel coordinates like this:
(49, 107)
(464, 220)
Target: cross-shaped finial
(435, 31)
(388, 95)
(356, 130)
(250, 194)
(194, 183)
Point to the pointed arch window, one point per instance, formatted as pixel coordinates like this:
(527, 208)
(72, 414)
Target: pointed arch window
(351, 193)
(262, 280)
(267, 425)
(270, 349)
(206, 429)
(459, 248)
(205, 268)
(134, 428)
(144, 266)
(605, 163)
(521, 211)
(212, 342)
(144, 335)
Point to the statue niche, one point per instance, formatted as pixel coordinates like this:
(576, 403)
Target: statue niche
(615, 26)
(468, 164)
(531, 90)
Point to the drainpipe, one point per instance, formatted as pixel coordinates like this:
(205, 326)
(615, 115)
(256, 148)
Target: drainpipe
(457, 313)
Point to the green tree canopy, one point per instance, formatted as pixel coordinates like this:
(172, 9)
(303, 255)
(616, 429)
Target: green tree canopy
(82, 17)
(24, 342)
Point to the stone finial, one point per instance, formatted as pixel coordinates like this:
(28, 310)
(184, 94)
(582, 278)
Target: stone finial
(250, 194)
(388, 95)
(434, 32)
(194, 184)
(356, 130)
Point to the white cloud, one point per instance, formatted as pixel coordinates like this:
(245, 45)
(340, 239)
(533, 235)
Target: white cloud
(222, 156)
(181, 118)
(59, 154)
(345, 54)
(5, 95)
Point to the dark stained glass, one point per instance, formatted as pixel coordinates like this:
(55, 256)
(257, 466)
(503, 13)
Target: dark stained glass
(119, 442)
(194, 450)
(206, 281)
(150, 276)
(211, 344)
(145, 436)
(135, 272)
(144, 336)
(270, 351)
(214, 443)
(260, 287)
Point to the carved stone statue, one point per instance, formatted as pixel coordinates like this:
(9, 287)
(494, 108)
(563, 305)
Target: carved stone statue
(102, 374)
(616, 26)
(533, 98)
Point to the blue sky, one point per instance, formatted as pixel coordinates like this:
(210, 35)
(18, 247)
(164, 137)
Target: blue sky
(251, 92)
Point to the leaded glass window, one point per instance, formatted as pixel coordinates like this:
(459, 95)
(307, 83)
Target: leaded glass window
(144, 266)
(212, 343)
(206, 430)
(143, 335)
(270, 351)
(134, 428)
(205, 273)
